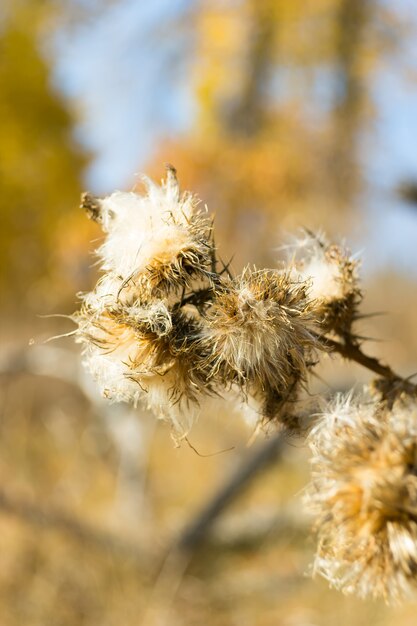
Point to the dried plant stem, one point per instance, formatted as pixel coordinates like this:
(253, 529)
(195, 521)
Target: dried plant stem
(352, 352)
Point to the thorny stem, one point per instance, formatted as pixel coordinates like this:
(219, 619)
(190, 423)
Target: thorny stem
(353, 352)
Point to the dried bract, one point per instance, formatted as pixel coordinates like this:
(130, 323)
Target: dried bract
(364, 497)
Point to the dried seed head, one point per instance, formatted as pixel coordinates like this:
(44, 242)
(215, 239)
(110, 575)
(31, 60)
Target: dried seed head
(146, 353)
(114, 343)
(258, 335)
(139, 339)
(334, 286)
(156, 242)
(364, 497)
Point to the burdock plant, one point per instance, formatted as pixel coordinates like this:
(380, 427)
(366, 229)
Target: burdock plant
(168, 325)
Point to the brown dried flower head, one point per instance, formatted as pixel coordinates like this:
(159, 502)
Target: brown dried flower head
(364, 497)
(148, 354)
(139, 341)
(258, 331)
(155, 242)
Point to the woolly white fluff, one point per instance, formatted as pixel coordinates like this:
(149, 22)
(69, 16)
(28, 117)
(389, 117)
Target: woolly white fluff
(159, 399)
(326, 284)
(110, 369)
(311, 264)
(341, 412)
(105, 293)
(113, 359)
(144, 227)
(142, 230)
(111, 372)
(111, 355)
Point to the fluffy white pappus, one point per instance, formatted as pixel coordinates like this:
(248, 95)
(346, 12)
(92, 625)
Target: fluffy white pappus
(330, 270)
(165, 400)
(110, 368)
(325, 278)
(156, 318)
(105, 295)
(135, 353)
(120, 380)
(258, 335)
(118, 341)
(341, 413)
(141, 228)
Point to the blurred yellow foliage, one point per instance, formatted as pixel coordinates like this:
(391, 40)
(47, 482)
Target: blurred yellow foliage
(40, 164)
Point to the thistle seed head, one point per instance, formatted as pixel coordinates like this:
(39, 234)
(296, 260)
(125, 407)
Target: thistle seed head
(156, 242)
(258, 335)
(164, 326)
(146, 353)
(364, 497)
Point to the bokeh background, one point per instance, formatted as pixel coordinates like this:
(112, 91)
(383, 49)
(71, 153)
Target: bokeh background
(280, 115)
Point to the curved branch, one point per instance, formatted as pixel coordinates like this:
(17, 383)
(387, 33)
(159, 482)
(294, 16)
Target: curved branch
(353, 352)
